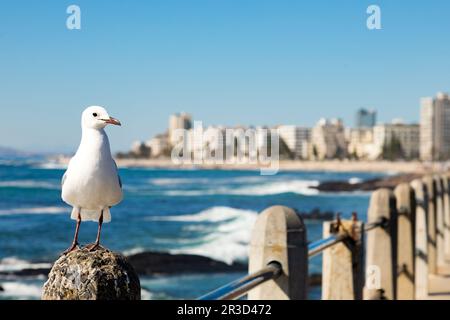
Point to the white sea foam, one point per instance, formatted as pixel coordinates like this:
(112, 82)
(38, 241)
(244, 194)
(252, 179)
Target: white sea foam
(354, 180)
(15, 264)
(146, 295)
(228, 241)
(295, 186)
(133, 251)
(30, 184)
(214, 214)
(195, 180)
(303, 187)
(20, 290)
(51, 165)
(34, 210)
(176, 181)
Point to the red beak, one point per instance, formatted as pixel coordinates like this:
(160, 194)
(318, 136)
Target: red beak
(113, 121)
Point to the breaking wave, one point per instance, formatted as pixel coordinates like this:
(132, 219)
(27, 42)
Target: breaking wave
(16, 264)
(18, 290)
(302, 187)
(30, 184)
(34, 210)
(228, 237)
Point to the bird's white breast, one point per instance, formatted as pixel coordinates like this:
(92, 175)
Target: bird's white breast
(91, 178)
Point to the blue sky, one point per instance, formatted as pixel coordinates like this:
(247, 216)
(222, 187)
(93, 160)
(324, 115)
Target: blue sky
(224, 61)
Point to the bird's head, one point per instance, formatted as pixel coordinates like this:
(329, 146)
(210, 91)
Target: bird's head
(96, 117)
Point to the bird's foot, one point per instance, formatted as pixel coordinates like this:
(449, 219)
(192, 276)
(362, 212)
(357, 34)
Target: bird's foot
(92, 247)
(73, 247)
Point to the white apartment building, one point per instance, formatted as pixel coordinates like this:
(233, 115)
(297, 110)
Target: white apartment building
(328, 140)
(435, 128)
(361, 143)
(408, 136)
(296, 139)
(159, 145)
(178, 121)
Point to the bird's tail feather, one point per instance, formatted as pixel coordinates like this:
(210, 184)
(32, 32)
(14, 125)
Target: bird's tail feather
(91, 215)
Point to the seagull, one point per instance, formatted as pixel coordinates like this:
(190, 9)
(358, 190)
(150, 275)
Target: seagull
(91, 183)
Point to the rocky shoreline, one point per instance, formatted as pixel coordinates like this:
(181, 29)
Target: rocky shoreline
(161, 264)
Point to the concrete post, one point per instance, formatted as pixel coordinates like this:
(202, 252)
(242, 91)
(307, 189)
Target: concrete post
(440, 244)
(381, 247)
(405, 202)
(421, 241)
(446, 197)
(431, 223)
(342, 265)
(279, 235)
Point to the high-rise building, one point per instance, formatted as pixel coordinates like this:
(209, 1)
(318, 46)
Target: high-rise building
(296, 139)
(365, 118)
(435, 128)
(178, 121)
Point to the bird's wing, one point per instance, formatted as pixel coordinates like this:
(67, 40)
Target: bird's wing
(118, 176)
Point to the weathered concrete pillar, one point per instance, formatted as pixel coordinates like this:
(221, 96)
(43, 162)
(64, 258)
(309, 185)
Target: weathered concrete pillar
(342, 264)
(406, 208)
(279, 235)
(97, 275)
(421, 241)
(446, 197)
(431, 223)
(440, 243)
(381, 247)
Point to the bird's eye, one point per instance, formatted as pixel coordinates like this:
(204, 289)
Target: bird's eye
(95, 114)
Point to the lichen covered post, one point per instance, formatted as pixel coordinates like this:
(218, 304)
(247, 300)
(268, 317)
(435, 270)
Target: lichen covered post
(381, 247)
(446, 197)
(431, 223)
(342, 264)
(421, 241)
(279, 235)
(97, 275)
(406, 208)
(440, 250)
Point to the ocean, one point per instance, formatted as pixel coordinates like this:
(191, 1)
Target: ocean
(204, 212)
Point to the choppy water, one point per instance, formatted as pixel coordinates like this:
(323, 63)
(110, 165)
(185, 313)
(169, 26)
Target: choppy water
(206, 212)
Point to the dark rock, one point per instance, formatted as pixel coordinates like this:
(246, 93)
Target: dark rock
(368, 185)
(1, 289)
(151, 263)
(97, 275)
(316, 214)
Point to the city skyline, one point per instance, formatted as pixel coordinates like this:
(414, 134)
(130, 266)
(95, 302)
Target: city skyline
(268, 63)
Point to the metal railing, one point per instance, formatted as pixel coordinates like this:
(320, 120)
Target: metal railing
(238, 288)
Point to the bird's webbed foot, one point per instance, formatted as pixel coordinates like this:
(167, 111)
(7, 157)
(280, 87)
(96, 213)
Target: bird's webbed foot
(93, 246)
(73, 247)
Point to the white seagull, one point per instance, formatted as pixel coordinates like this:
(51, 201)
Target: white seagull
(91, 184)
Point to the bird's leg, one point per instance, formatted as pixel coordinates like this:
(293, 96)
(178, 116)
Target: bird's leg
(75, 237)
(97, 241)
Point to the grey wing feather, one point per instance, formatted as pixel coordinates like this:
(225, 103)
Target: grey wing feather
(118, 176)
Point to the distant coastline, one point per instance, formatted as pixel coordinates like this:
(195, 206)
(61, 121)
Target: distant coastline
(382, 166)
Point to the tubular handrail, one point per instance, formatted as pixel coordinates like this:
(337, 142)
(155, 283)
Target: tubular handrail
(240, 287)
(318, 246)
